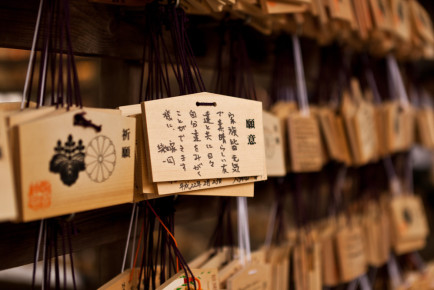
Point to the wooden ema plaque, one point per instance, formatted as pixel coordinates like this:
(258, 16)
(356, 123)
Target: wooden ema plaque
(342, 10)
(274, 150)
(351, 253)
(278, 257)
(146, 189)
(304, 143)
(8, 204)
(380, 122)
(279, 7)
(206, 279)
(421, 22)
(334, 135)
(329, 262)
(327, 123)
(199, 187)
(252, 276)
(307, 266)
(282, 110)
(401, 19)
(84, 160)
(381, 14)
(123, 281)
(343, 141)
(409, 223)
(425, 127)
(399, 127)
(364, 124)
(204, 136)
(376, 228)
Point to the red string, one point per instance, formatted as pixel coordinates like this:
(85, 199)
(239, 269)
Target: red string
(168, 231)
(137, 253)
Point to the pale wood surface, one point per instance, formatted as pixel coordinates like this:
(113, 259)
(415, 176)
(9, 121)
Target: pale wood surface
(163, 119)
(104, 185)
(8, 204)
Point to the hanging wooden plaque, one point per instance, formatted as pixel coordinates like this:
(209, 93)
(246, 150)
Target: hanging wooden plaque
(364, 125)
(278, 257)
(343, 141)
(421, 22)
(399, 127)
(84, 161)
(8, 203)
(146, 189)
(190, 186)
(409, 223)
(204, 136)
(15, 106)
(425, 127)
(124, 280)
(381, 14)
(274, 150)
(282, 110)
(203, 279)
(252, 276)
(327, 121)
(351, 253)
(380, 123)
(330, 269)
(279, 7)
(342, 10)
(304, 143)
(401, 19)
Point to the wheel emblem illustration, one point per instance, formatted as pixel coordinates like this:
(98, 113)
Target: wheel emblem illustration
(100, 158)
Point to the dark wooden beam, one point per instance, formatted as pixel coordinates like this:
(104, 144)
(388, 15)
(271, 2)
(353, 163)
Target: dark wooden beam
(96, 29)
(94, 228)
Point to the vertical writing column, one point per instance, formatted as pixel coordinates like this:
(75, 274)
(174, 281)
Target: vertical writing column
(208, 137)
(171, 147)
(233, 135)
(222, 138)
(181, 127)
(197, 164)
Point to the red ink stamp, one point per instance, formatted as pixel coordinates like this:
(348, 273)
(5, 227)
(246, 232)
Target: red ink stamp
(40, 195)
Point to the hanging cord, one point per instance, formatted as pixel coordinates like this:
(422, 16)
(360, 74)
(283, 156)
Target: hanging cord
(222, 235)
(37, 250)
(136, 221)
(46, 26)
(44, 258)
(396, 81)
(167, 230)
(128, 237)
(31, 64)
(275, 220)
(243, 231)
(150, 272)
(137, 252)
(394, 183)
(300, 79)
(53, 22)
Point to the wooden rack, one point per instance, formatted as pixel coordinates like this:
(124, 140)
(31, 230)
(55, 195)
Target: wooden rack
(112, 33)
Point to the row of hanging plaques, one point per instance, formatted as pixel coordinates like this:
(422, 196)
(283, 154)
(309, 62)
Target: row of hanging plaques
(324, 253)
(58, 161)
(404, 27)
